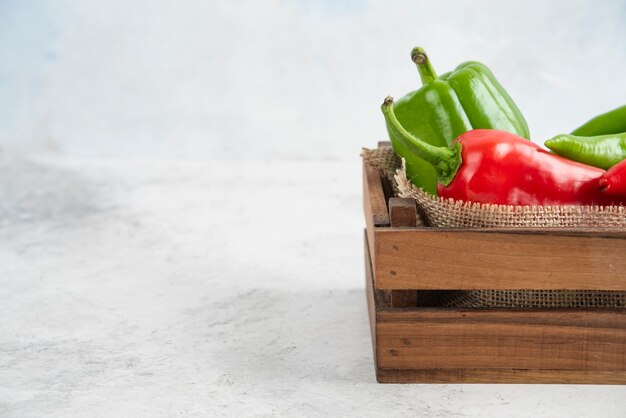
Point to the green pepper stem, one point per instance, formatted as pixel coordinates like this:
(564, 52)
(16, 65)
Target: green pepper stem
(425, 68)
(445, 160)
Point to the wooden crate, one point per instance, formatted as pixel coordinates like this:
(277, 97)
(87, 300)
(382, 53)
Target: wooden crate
(448, 345)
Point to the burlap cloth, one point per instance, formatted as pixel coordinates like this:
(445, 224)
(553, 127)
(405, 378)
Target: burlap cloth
(440, 212)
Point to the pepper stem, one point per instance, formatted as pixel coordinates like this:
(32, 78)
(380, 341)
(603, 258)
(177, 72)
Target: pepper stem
(445, 160)
(425, 68)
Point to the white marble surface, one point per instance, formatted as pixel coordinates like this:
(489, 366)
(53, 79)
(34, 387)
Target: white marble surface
(136, 288)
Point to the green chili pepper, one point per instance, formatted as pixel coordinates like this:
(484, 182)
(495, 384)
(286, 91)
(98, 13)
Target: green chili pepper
(613, 122)
(467, 98)
(602, 151)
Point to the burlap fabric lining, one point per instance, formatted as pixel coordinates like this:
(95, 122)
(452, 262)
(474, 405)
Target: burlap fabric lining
(441, 212)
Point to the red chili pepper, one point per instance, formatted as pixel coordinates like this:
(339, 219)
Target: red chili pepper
(613, 182)
(490, 166)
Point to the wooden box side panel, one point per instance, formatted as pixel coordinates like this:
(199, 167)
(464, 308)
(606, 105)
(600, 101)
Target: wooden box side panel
(374, 205)
(371, 301)
(431, 258)
(499, 376)
(500, 339)
(495, 346)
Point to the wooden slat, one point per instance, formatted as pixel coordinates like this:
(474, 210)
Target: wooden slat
(502, 339)
(433, 258)
(499, 376)
(374, 204)
(403, 214)
(369, 289)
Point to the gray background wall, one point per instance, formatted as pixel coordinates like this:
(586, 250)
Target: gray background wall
(281, 79)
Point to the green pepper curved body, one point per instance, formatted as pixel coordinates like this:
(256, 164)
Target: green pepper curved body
(613, 122)
(602, 151)
(467, 98)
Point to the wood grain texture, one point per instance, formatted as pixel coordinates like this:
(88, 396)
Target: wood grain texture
(374, 196)
(431, 258)
(502, 339)
(370, 293)
(402, 212)
(431, 345)
(374, 205)
(499, 376)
